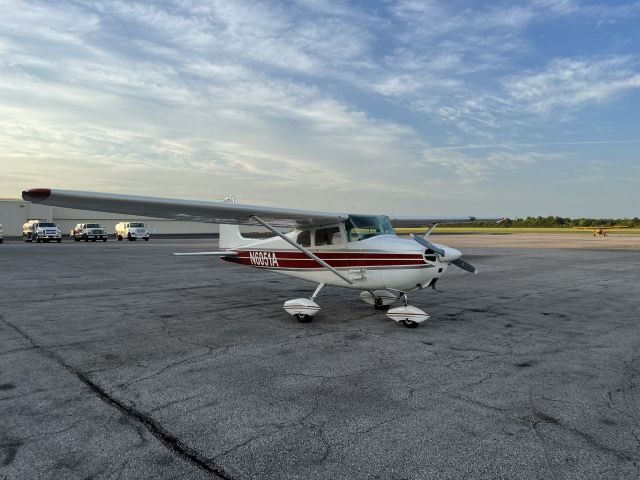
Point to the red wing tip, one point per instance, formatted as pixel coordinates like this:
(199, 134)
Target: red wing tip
(36, 194)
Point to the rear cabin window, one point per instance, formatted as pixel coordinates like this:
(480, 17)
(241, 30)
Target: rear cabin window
(324, 236)
(304, 238)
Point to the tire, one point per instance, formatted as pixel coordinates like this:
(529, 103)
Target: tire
(59, 240)
(86, 239)
(46, 240)
(409, 323)
(119, 237)
(380, 306)
(104, 239)
(302, 318)
(146, 239)
(93, 239)
(76, 239)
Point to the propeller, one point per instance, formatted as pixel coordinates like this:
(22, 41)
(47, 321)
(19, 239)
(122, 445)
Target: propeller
(427, 244)
(458, 261)
(465, 265)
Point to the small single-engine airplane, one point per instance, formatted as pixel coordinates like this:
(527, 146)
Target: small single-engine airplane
(361, 252)
(601, 229)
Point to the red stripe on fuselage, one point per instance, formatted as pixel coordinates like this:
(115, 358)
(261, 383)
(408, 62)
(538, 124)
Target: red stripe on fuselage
(344, 259)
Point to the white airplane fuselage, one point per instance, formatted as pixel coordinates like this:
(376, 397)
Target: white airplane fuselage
(376, 263)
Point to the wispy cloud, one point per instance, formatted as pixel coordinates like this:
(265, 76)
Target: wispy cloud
(572, 83)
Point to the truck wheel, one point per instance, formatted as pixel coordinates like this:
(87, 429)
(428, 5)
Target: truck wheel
(76, 239)
(59, 240)
(93, 239)
(104, 239)
(119, 237)
(36, 238)
(146, 239)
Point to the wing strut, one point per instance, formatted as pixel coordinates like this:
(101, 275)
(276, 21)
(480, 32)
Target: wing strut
(308, 253)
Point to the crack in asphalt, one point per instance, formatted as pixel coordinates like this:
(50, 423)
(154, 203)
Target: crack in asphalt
(171, 442)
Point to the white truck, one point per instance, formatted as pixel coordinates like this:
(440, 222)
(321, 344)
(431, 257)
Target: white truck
(132, 231)
(39, 230)
(89, 231)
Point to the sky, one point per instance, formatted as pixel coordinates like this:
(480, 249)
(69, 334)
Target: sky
(428, 107)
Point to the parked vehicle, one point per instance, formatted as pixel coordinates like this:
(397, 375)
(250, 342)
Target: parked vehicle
(132, 231)
(1, 234)
(39, 230)
(89, 231)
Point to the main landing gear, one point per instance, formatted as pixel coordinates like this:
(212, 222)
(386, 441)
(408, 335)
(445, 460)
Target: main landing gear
(406, 315)
(304, 308)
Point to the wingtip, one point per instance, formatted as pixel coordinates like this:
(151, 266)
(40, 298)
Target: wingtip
(36, 195)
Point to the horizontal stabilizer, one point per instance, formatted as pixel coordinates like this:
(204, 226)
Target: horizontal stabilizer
(213, 254)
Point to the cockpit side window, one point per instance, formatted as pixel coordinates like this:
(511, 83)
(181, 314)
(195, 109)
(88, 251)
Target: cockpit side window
(304, 238)
(325, 236)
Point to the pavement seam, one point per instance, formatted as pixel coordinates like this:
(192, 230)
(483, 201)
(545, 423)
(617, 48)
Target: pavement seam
(158, 431)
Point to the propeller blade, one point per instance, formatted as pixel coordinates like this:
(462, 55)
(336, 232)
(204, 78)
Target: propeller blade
(430, 230)
(428, 244)
(465, 265)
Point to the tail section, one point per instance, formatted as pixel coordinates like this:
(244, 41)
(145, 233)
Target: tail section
(230, 236)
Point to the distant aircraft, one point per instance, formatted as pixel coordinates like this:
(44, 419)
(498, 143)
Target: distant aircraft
(601, 229)
(359, 252)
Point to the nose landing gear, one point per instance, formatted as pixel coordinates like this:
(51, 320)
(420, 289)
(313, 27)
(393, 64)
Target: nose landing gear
(408, 316)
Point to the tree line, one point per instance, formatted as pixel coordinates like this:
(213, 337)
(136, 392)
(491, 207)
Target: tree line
(557, 222)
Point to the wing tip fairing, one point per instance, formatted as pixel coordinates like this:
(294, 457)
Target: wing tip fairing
(36, 195)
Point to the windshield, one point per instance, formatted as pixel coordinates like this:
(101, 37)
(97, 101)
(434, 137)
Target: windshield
(136, 225)
(360, 227)
(93, 225)
(46, 225)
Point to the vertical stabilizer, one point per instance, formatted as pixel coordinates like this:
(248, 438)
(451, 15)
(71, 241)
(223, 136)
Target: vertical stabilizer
(230, 236)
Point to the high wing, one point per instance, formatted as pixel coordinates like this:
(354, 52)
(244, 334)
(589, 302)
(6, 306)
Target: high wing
(189, 210)
(210, 212)
(415, 222)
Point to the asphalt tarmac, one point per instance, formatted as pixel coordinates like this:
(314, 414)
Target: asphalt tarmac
(118, 360)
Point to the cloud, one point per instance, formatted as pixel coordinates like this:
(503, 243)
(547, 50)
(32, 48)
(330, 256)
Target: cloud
(570, 84)
(286, 99)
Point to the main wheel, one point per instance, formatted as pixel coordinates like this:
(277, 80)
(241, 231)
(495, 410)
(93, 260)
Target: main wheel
(409, 323)
(302, 318)
(380, 306)
(104, 239)
(146, 239)
(86, 239)
(93, 239)
(59, 240)
(76, 239)
(119, 238)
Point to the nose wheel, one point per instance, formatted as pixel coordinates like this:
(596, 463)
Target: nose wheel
(407, 315)
(409, 323)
